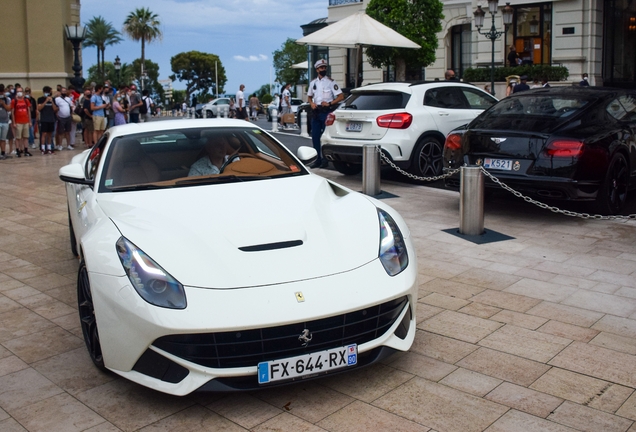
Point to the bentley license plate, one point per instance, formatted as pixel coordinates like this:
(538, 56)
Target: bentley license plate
(353, 127)
(307, 364)
(501, 164)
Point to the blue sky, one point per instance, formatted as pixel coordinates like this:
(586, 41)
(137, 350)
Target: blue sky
(243, 33)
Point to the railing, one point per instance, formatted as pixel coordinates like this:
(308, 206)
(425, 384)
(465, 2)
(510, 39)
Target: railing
(341, 2)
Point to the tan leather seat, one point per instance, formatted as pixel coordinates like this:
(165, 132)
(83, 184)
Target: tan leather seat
(131, 165)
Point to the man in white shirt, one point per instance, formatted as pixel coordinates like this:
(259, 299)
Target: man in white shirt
(324, 95)
(241, 112)
(64, 120)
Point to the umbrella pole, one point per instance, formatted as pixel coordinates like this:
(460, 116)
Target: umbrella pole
(358, 61)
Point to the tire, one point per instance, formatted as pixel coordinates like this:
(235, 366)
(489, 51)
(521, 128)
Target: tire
(72, 235)
(613, 193)
(347, 168)
(87, 317)
(427, 160)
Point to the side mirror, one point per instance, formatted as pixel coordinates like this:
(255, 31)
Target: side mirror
(307, 155)
(74, 173)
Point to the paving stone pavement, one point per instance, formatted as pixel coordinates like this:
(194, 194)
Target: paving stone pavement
(537, 333)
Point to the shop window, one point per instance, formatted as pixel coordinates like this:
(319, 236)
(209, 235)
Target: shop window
(532, 33)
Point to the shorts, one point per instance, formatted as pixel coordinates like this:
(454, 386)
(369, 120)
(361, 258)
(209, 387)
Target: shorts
(241, 114)
(22, 130)
(4, 129)
(99, 123)
(47, 127)
(64, 125)
(87, 124)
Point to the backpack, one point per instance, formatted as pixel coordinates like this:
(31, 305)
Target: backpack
(79, 108)
(143, 109)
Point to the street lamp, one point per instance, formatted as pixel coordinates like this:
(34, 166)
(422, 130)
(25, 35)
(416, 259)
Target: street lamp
(493, 34)
(117, 65)
(75, 35)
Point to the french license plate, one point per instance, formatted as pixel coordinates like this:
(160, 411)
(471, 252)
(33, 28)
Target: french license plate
(501, 164)
(353, 127)
(307, 364)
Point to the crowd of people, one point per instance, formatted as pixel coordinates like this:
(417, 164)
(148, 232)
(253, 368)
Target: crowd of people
(55, 118)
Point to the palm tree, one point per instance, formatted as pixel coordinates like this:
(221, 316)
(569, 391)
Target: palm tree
(143, 25)
(100, 34)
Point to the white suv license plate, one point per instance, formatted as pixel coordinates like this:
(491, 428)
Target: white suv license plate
(307, 364)
(353, 127)
(501, 164)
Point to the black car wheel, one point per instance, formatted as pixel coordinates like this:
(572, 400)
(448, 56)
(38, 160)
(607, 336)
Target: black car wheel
(613, 194)
(72, 235)
(209, 114)
(347, 168)
(87, 317)
(427, 158)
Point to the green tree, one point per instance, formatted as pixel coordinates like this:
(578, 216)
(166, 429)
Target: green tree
(418, 20)
(143, 25)
(198, 70)
(289, 54)
(126, 74)
(151, 77)
(100, 34)
(262, 91)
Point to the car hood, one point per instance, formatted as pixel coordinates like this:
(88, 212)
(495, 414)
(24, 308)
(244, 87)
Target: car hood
(195, 232)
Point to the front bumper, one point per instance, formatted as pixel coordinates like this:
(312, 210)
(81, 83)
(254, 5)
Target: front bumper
(130, 328)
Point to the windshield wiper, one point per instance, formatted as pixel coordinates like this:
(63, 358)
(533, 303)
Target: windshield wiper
(352, 106)
(137, 187)
(222, 179)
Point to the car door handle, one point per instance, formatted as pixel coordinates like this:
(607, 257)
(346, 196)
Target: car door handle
(443, 113)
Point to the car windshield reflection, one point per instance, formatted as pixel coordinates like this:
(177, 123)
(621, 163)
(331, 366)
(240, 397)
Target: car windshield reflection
(190, 157)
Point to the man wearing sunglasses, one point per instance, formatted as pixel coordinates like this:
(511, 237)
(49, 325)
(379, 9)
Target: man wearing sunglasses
(324, 95)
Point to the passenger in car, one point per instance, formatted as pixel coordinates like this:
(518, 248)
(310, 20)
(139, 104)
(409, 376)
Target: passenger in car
(215, 152)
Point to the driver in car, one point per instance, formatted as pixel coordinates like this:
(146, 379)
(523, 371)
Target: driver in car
(217, 150)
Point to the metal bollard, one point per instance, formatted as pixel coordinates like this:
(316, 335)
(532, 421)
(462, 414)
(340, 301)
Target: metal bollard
(370, 170)
(274, 120)
(303, 124)
(471, 201)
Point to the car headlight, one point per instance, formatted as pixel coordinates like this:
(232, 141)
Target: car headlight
(150, 281)
(393, 253)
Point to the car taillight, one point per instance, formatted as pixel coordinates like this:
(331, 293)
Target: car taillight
(564, 148)
(330, 119)
(453, 142)
(395, 121)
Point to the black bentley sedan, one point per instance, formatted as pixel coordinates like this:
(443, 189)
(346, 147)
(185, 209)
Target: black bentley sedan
(558, 143)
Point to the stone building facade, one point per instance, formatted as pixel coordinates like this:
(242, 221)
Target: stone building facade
(34, 48)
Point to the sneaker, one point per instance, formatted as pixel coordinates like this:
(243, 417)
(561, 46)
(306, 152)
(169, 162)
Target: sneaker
(18, 153)
(48, 152)
(26, 153)
(32, 146)
(59, 148)
(2, 157)
(70, 148)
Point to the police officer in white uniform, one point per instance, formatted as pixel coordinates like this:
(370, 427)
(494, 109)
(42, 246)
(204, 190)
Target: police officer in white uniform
(324, 96)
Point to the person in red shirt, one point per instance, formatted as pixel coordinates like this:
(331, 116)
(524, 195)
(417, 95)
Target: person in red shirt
(21, 114)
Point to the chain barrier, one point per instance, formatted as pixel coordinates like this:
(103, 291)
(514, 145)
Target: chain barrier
(413, 176)
(552, 208)
(509, 189)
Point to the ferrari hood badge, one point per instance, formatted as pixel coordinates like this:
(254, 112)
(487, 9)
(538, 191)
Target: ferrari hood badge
(305, 337)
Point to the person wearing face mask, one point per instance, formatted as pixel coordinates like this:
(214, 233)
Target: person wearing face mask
(324, 96)
(107, 96)
(20, 108)
(118, 109)
(5, 109)
(33, 111)
(87, 118)
(64, 121)
(48, 111)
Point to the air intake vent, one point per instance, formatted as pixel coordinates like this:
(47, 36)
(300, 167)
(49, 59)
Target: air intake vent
(271, 246)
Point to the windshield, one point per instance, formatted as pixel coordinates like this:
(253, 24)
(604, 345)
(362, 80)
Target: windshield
(187, 157)
(538, 112)
(376, 100)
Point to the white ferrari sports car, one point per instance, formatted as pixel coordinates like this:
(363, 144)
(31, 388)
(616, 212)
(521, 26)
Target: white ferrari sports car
(211, 259)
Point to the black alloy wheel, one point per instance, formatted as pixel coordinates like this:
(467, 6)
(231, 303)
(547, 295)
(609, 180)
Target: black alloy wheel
(427, 158)
(209, 114)
(347, 168)
(613, 194)
(87, 317)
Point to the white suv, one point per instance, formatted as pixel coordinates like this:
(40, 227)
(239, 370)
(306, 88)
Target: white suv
(211, 109)
(409, 121)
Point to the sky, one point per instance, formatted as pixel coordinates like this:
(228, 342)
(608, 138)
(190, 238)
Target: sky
(243, 33)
